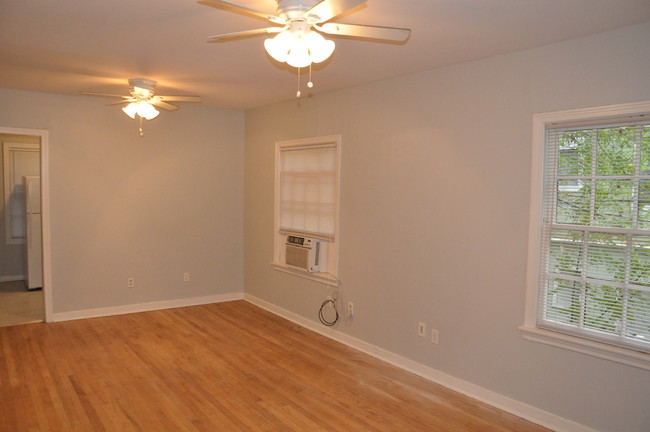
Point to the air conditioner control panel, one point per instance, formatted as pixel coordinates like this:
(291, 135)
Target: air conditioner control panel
(299, 241)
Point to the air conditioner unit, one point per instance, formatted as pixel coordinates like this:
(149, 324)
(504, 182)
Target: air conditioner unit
(302, 253)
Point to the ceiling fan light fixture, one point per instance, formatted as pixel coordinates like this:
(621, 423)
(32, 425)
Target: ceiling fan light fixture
(299, 47)
(131, 110)
(147, 111)
(142, 108)
(299, 54)
(320, 49)
(278, 47)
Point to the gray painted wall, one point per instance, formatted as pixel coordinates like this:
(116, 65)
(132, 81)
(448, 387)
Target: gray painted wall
(434, 216)
(150, 208)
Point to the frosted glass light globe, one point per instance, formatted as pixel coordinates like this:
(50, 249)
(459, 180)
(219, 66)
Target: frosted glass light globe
(147, 111)
(319, 48)
(278, 46)
(131, 110)
(299, 55)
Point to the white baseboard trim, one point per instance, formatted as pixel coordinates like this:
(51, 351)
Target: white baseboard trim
(520, 409)
(12, 278)
(145, 307)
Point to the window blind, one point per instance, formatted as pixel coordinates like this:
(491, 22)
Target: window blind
(308, 190)
(595, 257)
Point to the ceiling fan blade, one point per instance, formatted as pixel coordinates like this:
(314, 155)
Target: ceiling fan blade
(179, 98)
(236, 7)
(364, 31)
(164, 105)
(125, 101)
(85, 93)
(236, 35)
(328, 9)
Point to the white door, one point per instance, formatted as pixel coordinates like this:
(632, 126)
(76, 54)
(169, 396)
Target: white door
(32, 186)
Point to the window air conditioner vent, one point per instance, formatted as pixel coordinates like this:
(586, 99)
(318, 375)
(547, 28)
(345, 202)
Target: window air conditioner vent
(302, 253)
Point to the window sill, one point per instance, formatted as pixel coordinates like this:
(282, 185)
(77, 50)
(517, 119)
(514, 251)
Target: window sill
(584, 346)
(325, 278)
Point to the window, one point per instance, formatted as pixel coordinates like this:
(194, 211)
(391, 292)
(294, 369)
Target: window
(307, 207)
(589, 261)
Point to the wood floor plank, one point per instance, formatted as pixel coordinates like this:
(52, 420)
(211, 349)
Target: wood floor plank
(220, 367)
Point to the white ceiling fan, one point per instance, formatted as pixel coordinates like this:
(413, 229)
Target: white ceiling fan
(143, 99)
(298, 26)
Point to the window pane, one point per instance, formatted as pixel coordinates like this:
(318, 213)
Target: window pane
(574, 153)
(615, 151)
(606, 257)
(645, 151)
(573, 202)
(638, 316)
(613, 206)
(644, 204)
(563, 301)
(566, 252)
(603, 308)
(640, 261)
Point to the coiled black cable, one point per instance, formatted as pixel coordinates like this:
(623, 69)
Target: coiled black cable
(321, 315)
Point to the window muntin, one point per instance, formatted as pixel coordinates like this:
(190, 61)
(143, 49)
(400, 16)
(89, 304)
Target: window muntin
(595, 254)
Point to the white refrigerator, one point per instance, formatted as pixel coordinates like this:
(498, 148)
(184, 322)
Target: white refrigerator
(33, 245)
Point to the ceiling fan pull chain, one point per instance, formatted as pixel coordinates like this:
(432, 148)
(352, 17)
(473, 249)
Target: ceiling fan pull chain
(298, 92)
(141, 133)
(309, 83)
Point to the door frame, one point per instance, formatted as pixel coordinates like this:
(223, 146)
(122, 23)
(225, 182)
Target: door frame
(45, 209)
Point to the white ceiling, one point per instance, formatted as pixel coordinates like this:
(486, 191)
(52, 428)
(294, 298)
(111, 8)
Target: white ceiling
(65, 46)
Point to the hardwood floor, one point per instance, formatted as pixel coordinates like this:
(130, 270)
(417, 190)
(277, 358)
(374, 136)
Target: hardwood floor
(220, 367)
(18, 305)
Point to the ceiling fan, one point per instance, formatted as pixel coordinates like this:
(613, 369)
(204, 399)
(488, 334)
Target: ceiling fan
(143, 99)
(298, 26)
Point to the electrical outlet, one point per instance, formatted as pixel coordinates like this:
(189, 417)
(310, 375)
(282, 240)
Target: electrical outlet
(350, 309)
(434, 336)
(186, 277)
(422, 329)
(130, 282)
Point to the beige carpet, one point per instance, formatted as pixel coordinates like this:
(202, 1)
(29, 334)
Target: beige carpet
(19, 305)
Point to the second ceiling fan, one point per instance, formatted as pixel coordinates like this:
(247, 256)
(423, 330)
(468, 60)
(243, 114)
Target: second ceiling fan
(298, 26)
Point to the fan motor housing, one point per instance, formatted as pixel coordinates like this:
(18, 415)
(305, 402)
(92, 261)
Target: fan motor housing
(294, 9)
(144, 83)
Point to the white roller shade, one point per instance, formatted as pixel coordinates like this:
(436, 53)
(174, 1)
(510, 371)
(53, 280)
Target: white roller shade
(308, 190)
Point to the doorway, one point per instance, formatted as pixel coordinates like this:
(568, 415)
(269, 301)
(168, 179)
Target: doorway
(24, 229)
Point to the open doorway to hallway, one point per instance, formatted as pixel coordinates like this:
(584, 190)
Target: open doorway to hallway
(21, 268)
(19, 305)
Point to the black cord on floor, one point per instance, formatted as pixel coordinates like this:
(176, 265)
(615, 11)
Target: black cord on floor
(321, 316)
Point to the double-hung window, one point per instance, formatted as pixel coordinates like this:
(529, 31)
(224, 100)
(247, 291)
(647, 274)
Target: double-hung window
(307, 207)
(589, 257)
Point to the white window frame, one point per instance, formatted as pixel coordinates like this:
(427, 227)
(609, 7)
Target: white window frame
(330, 245)
(530, 328)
